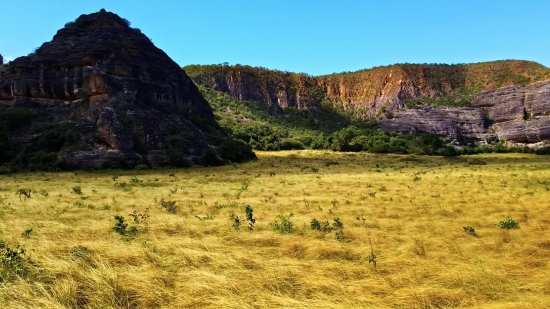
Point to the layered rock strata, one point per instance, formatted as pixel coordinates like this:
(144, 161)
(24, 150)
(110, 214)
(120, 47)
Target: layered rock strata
(126, 95)
(511, 114)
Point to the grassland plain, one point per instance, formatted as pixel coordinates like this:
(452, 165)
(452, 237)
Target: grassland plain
(188, 241)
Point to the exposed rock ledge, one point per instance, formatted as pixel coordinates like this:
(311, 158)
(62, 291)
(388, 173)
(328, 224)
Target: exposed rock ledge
(510, 114)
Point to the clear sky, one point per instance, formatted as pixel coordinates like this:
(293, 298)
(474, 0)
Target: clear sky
(312, 36)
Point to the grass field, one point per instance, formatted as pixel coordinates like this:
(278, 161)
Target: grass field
(409, 212)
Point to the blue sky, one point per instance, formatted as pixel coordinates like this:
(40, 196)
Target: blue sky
(312, 36)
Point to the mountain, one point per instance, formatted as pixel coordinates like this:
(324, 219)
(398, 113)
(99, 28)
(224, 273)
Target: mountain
(101, 94)
(455, 101)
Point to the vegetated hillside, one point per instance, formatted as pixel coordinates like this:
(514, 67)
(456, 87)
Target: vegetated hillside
(370, 92)
(462, 103)
(101, 94)
(276, 128)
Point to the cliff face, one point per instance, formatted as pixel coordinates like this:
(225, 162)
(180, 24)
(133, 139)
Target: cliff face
(384, 91)
(126, 96)
(365, 92)
(514, 114)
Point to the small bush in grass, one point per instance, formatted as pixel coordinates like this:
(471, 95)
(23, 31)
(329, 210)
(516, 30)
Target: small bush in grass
(470, 230)
(170, 206)
(508, 224)
(250, 217)
(282, 224)
(337, 224)
(339, 235)
(236, 222)
(27, 233)
(323, 226)
(122, 228)
(13, 262)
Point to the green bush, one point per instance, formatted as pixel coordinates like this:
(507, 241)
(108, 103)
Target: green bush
(13, 262)
(236, 151)
(508, 224)
(283, 225)
(543, 151)
(290, 144)
(470, 230)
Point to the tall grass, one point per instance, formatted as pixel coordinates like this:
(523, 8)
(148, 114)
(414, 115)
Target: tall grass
(412, 209)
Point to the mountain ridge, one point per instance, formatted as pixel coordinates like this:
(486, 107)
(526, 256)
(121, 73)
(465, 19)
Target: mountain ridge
(383, 93)
(368, 90)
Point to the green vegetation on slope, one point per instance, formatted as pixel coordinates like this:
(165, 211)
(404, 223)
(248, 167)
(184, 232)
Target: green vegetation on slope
(274, 128)
(46, 139)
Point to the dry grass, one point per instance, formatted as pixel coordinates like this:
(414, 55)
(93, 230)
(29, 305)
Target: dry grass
(414, 210)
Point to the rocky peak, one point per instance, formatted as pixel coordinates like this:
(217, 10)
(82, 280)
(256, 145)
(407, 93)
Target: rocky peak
(101, 19)
(128, 96)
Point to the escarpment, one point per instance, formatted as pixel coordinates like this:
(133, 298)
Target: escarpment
(126, 99)
(468, 103)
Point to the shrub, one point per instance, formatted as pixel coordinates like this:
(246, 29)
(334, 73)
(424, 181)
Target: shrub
(337, 224)
(170, 206)
(27, 233)
(290, 144)
(321, 226)
(543, 151)
(250, 217)
(13, 262)
(339, 235)
(236, 222)
(283, 225)
(315, 225)
(508, 224)
(236, 151)
(122, 228)
(470, 230)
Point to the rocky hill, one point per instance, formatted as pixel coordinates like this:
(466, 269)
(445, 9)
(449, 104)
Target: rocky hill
(101, 94)
(456, 101)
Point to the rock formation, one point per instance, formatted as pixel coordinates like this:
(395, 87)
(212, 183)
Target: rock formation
(510, 114)
(126, 96)
(364, 92)
(500, 109)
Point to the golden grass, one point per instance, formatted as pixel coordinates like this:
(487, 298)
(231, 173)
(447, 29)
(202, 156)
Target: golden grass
(414, 209)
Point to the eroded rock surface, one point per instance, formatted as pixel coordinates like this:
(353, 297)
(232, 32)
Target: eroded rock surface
(464, 125)
(514, 114)
(126, 95)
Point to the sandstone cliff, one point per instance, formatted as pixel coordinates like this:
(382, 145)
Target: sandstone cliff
(384, 92)
(127, 98)
(365, 92)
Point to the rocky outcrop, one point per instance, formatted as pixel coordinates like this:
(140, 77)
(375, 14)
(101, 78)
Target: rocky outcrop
(511, 114)
(126, 95)
(463, 125)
